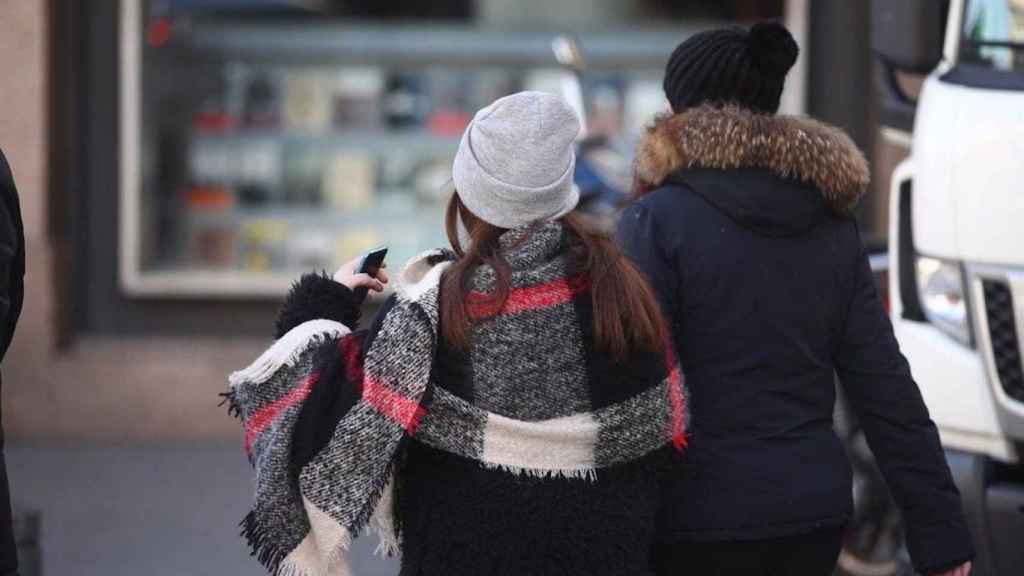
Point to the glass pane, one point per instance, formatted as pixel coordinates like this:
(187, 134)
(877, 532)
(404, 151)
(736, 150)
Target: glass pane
(272, 146)
(994, 33)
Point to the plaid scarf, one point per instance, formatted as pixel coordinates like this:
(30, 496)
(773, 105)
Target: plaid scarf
(534, 416)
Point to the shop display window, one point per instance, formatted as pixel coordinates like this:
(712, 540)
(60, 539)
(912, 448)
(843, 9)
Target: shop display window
(257, 148)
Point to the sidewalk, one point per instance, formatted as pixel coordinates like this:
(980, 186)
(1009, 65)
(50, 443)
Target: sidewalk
(158, 510)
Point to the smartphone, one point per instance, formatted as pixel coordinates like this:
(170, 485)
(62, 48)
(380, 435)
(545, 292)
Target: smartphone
(370, 264)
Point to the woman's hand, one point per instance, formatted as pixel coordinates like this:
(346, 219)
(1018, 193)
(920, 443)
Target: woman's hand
(347, 275)
(961, 570)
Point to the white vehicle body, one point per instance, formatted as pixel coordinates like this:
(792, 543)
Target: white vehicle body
(966, 180)
(956, 252)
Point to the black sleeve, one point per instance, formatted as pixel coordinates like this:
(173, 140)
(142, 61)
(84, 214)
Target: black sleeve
(12, 257)
(899, 430)
(317, 296)
(644, 242)
(12, 272)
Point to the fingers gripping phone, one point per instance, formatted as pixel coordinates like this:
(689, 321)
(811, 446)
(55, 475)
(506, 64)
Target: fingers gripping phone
(370, 264)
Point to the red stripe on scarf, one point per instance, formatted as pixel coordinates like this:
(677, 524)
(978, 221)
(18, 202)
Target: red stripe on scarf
(351, 351)
(536, 297)
(675, 395)
(264, 417)
(405, 412)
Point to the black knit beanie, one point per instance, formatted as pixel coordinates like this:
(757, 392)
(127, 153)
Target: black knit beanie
(731, 66)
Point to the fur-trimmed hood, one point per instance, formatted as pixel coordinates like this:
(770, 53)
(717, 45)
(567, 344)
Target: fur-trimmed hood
(731, 137)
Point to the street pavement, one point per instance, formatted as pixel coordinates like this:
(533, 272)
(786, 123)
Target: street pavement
(154, 510)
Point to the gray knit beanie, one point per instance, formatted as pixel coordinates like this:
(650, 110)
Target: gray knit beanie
(516, 159)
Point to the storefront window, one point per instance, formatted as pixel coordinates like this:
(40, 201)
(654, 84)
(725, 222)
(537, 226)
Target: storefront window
(258, 147)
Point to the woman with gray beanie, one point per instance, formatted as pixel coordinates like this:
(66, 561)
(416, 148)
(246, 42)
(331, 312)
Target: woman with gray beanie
(511, 409)
(743, 224)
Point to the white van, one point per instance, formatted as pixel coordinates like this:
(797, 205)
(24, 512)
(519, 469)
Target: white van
(956, 243)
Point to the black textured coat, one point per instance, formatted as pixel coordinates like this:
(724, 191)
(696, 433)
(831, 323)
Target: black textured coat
(457, 517)
(12, 272)
(745, 236)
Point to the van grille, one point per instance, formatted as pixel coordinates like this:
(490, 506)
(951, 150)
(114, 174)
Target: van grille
(1002, 328)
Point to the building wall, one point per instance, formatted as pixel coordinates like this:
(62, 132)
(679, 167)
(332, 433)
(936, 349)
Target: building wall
(100, 388)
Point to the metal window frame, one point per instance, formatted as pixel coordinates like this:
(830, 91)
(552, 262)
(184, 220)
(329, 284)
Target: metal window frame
(133, 281)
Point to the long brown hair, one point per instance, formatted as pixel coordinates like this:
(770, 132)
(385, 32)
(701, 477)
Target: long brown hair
(626, 313)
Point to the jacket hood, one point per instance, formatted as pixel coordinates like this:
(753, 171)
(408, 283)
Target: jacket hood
(731, 138)
(756, 199)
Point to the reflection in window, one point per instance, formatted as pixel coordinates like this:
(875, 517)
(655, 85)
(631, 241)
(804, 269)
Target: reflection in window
(270, 147)
(994, 34)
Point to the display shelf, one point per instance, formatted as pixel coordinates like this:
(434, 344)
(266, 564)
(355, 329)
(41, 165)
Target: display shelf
(311, 43)
(196, 283)
(327, 214)
(254, 259)
(369, 140)
(220, 284)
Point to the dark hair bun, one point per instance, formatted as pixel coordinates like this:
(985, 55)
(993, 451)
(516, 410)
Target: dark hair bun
(772, 47)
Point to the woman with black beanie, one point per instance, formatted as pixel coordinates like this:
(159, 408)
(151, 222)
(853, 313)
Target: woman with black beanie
(742, 222)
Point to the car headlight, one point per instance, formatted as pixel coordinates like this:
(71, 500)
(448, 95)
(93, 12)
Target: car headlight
(941, 286)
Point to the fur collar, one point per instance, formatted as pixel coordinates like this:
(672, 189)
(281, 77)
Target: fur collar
(731, 137)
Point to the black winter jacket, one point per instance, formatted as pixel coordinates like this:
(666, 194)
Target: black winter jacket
(12, 272)
(746, 237)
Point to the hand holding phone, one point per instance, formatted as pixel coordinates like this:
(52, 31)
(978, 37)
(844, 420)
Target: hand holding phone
(364, 273)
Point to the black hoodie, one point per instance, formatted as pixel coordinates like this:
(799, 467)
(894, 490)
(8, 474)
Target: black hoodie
(746, 237)
(12, 272)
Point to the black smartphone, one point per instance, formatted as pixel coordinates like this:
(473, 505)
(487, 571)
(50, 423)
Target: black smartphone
(370, 264)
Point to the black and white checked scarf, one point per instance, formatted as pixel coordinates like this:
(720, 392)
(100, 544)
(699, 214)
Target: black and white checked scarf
(533, 416)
